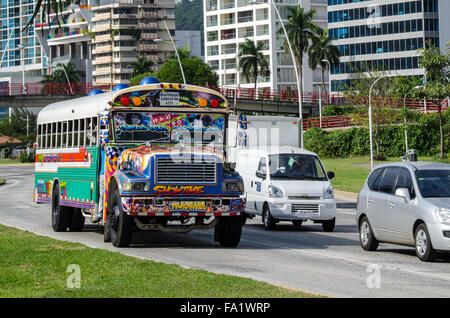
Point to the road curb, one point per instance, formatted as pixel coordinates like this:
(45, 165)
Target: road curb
(344, 195)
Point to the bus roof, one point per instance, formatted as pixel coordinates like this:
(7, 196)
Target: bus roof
(91, 106)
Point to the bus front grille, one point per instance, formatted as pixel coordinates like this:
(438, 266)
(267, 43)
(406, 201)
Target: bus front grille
(196, 171)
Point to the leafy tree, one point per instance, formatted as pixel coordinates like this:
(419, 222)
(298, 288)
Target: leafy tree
(382, 113)
(195, 70)
(252, 61)
(300, 30)
(142, 65)
(16, 126)
(437, 87)
(322, 49)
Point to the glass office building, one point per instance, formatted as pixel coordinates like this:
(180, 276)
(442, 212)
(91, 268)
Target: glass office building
(383, 35)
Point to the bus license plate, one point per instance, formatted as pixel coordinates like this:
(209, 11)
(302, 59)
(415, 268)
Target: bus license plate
(187, 206)
(169, 98)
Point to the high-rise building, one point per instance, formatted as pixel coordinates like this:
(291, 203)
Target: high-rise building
(15, 15)
(384, 35)
(227, 23)
(66, 37)
(125, 29)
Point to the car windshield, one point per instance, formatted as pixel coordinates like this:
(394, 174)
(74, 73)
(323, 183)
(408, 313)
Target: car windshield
(434, 183)
(169, 127)
(296, 167)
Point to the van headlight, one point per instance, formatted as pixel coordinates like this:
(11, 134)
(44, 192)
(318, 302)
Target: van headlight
(233, 187)
(328, 193)
(443, 215)
(275, 192)
(134, 186)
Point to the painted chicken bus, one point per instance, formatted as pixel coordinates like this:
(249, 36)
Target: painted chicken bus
(148, 157)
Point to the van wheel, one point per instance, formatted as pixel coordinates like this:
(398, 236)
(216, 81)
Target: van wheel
(120, 224)
(60, 214)
(77, 220)
(424, 249)
(228, 231)
(366, 237)
(328, 225)
(268, 219)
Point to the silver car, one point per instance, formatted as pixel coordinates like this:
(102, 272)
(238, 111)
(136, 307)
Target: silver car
(406, 203)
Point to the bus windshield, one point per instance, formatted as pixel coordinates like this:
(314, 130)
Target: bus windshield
(168, 127)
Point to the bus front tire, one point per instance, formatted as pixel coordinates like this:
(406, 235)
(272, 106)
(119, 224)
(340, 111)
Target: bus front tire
(120, 224)
(61, 215)
(228, 231)
(77, 220)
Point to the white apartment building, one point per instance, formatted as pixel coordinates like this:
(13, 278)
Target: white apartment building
(228, 22)
(384, 35)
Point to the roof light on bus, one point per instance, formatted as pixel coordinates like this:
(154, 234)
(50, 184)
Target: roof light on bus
(202, 102)
(125, 101)
(137, 101)
(215, 103)
(180, 85)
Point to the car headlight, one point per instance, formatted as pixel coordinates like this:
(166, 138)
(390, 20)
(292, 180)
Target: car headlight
(328, 193)
(443, 215)
(233, 187)
(134, 186)
(275, 192)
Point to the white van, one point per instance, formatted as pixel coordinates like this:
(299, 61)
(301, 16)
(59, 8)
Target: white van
(287, 184)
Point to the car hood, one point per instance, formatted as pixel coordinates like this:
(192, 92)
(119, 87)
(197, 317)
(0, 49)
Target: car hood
(440, 202)
(301, 188)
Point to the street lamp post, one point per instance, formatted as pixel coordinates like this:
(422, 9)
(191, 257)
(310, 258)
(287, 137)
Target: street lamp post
(299, 89)
(329, 78)
(22, 51)
(175, 48)
(370, 119)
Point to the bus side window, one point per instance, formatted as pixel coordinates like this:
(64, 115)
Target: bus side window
(75, 133)
(94, 131)
(47, 136)
(54, 134)
(87, 135)
(39, 139)
(58, 135)
(70, 134)
(64, 135)
(82, 133)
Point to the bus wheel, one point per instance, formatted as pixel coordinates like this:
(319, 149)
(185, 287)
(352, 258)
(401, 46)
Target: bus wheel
(120, 224)
(228, 231)
(76, 223)
(60, 214)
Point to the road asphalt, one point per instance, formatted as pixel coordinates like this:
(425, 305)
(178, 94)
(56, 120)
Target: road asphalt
(305, 258)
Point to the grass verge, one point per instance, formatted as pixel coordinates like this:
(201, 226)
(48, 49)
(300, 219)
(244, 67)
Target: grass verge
(2, 181)
(351, 174)
(35, 266)
(7, 161)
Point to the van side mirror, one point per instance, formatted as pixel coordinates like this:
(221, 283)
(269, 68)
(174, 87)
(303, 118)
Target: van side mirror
(261, 174)
(404, 193)
(330, 175)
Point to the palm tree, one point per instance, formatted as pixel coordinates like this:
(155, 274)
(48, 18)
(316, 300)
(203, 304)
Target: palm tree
(142, 65)
(63, 73)
(322, 49)
(300, 30)
(252, 61)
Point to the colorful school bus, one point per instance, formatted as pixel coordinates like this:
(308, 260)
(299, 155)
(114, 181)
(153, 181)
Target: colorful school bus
(147, 157)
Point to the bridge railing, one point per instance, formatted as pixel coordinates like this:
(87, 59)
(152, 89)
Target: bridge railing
(48, 89)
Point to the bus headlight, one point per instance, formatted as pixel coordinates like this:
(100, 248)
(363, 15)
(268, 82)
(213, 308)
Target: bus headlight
(134, 186)
(233, 187)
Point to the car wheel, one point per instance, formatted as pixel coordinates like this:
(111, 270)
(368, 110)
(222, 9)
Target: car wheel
(366, 237)
(60, 214)
(328, 225)
(268, 219)
(120, 224)
(424, 249)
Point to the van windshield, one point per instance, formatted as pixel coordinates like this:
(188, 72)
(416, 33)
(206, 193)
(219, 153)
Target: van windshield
(296, 167)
